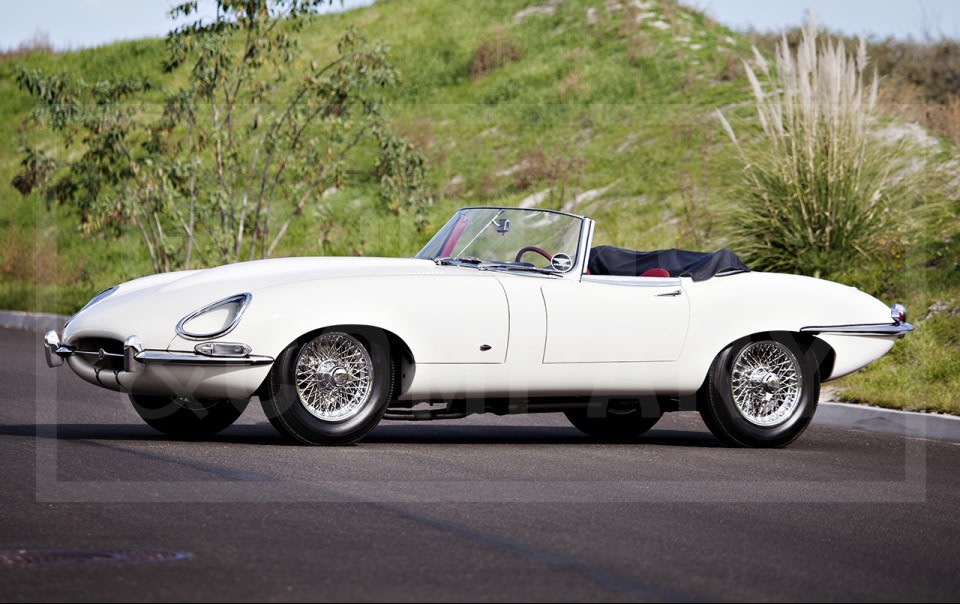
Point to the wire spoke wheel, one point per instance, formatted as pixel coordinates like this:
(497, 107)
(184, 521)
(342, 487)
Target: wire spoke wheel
(765, 383)
(331, 388)
(761, 392)
(334, 375)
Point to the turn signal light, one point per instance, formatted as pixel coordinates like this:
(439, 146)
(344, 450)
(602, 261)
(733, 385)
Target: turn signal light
(222, 349)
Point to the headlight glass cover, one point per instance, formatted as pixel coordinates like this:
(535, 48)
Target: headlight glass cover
(97, 298)
(92, 301)
(214, 320)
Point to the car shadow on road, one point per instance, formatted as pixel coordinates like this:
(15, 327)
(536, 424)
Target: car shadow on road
(264, 434)
(529, 435)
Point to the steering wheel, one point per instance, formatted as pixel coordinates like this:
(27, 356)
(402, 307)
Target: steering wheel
(532, 248)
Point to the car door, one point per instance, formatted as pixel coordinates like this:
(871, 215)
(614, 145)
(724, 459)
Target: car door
(615, 319)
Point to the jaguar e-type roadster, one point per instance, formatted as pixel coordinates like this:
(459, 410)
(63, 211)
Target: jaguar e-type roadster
(505, 310)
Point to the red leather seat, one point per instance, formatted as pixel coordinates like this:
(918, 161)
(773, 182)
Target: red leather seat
(655, 272)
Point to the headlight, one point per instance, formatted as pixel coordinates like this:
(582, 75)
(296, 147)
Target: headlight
(97, 298)
(92, 301)
(214, 320)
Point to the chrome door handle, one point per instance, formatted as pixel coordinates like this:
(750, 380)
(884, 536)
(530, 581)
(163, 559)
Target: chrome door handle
(670, 294)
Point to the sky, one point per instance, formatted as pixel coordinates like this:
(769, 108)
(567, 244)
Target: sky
(84, 23)
(898, 18)
(72, 24)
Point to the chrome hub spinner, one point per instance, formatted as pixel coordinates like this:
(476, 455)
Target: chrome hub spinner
(768, 380)
(766, 383)
(331, 376)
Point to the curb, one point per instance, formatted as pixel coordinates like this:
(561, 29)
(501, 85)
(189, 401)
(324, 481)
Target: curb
(932, 426)
(31, 321)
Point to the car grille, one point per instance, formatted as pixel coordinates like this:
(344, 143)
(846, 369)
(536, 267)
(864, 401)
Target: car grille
(89, 349)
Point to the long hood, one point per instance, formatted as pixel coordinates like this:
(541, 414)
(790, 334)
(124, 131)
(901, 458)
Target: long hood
(260, 274)
(164, 299)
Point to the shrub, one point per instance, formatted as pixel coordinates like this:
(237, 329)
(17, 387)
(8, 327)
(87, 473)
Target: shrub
(557, 170)
(39, 43)
(818, 191)
(494, 53)
(920, 79)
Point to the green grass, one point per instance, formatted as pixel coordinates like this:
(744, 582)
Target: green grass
(616, 103)
(922, 373)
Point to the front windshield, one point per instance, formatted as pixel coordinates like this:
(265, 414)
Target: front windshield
(508, 236)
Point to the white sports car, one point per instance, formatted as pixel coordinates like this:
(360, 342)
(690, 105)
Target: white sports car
(506, 310)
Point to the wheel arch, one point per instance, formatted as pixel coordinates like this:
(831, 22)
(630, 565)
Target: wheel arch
(823, 352)
(403, 359)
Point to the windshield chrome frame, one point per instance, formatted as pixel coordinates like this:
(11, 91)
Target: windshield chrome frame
(532, 209)
(583, 245)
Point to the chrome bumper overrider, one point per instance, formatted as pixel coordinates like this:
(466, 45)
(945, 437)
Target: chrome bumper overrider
(135, 357)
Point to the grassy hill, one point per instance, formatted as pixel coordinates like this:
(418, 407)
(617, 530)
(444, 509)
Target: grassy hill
(599, 107)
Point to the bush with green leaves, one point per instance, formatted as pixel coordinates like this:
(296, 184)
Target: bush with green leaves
(236, 153)
(821, 190)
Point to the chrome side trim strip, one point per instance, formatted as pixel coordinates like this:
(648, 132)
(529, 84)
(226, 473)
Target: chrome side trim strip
(875, 329)
(658, 282)
(162, 357)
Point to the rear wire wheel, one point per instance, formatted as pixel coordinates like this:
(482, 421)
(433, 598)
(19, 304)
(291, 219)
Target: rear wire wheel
(761, 392)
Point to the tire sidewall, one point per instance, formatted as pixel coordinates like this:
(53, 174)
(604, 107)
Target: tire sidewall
(728, 415)
(290, 412)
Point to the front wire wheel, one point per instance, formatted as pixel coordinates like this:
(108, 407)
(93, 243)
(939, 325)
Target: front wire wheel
(761, 392)
(334, 376)
(331, 388)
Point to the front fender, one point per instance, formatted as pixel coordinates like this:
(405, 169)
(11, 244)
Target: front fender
(441, 318)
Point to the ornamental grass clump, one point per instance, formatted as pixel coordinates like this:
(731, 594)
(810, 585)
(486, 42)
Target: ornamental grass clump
(818, 191)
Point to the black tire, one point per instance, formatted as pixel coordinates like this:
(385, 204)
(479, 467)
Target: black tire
(718, 405)
(187, 418)
(615, 423)
(292, 416)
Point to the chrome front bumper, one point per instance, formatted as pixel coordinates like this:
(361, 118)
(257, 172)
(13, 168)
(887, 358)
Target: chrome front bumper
(135, 357)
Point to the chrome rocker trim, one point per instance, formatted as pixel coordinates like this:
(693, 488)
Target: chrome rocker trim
(135, 357)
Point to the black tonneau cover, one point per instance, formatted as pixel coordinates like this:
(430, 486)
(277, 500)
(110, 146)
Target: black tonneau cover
(700, 266)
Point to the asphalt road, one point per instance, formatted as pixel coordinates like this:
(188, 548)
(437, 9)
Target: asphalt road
(94, 505)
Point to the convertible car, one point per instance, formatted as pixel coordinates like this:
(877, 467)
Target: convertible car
(506, 310)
